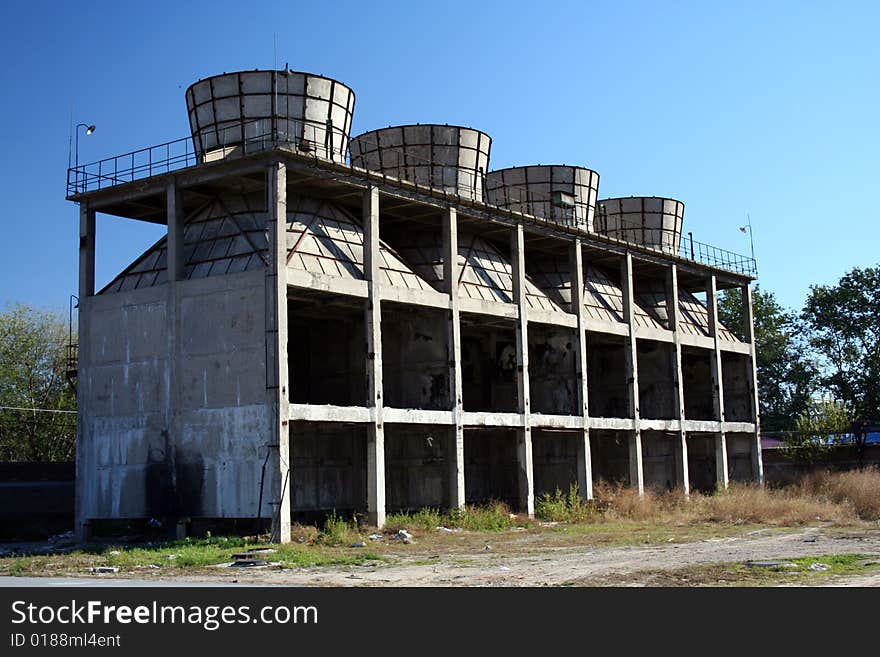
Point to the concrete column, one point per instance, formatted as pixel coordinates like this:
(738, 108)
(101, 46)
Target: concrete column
(524, 435)
(174, 265)
(83, 433)
(636, 471)
(584, 457)
(749, 329)
(451, 272)
(673, 312)
(721, 472)
(277, 365)
(373, 323)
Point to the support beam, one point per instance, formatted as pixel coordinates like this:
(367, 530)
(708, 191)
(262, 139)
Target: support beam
(721, 472)
(84, 472)
(749, 331)
(455, 453)
(373, 323)
(673, 312)
(636, 470)
(584, 460)
(174, 265)
(524, 435)
(277, 383)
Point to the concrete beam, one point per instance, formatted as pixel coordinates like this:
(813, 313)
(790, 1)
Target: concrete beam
(490, 308)
(612, 423)
(174, 263)
(329, 413)
(451, 272)
(551, 318)
(373, 323)
(417, 416)
(702, 426)
(485, 419)
(658, 335)
(297, 278)
(542, 421)
(524, 435)
(749, 327)
(698, 341)
(277, 380)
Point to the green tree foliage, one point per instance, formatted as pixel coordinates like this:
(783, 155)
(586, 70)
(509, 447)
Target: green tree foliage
(786, 373)
(32, 376)
(817, 431)
(844, 328)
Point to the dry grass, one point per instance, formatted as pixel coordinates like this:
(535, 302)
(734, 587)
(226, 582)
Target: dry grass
(858, 489)
(842, 497)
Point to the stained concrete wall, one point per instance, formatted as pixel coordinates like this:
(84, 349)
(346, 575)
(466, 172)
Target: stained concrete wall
(739, 456)
(416, 467)
(329, 468)
(415, 362)
(326, 356)
(701, 462)
(141, 464)
(552, 371)
(658, 460)
(554, 459)
(488, 365)
(697, 384)
(737, 396)
(610, 450)
(656, 362)
(491, 471)
(606, 377)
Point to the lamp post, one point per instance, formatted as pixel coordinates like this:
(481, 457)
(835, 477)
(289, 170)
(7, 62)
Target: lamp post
(748, 227)
(89, 130)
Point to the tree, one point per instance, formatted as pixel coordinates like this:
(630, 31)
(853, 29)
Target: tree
(786, 373)
(844, 329)
(32, 377)
(817, 431)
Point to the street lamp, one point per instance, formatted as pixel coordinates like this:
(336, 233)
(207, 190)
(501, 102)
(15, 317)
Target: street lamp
(89, 130)
(748, 228)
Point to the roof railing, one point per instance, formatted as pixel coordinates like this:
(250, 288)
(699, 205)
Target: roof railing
(317, 140)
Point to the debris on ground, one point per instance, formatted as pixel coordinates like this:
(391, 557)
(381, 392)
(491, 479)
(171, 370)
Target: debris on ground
(376, 537)
(810, 539)
(154, 523)
(171, 557)
(100, 570)
(150, 566)
(359, 544)
(114, 553)
(771, 564)
(249, 554)
(248, 563)
(487, 548)
(819, 567)
(404, 536)
(447, 530)
(66, 537)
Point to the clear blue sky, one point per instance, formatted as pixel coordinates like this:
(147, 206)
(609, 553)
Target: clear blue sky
(767, 108)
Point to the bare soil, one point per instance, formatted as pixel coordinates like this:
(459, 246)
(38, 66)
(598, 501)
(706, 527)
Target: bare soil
(524, 561)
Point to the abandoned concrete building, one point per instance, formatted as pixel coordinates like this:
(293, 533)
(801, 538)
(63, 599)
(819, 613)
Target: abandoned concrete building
(381, 322)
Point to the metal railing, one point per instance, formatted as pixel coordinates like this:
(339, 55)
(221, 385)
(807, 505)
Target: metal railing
(319, 141)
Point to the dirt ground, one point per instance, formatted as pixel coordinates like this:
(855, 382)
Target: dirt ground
(568, 565)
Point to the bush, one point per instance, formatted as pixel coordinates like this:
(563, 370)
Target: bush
(860, 489)
(564, 507)
(337, 531)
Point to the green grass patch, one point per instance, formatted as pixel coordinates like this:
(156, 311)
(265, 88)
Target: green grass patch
(565, 506)
(491, 517)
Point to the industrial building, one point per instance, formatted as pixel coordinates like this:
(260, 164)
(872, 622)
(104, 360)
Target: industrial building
(382, 322)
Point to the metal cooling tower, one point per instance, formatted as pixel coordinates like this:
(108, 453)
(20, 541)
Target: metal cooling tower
(447, 157)
(562, 193)
(649, 220)
(250, 110)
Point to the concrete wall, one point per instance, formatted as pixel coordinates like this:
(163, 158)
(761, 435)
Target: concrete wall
(326, 356)
(329, 468)
(415, 361)
(554, 458)
(656, 362)
(606, 372)
(697, 384)
(552, 371)
(488, 364)
(737, 396)
(198, 453)
(490, 466)
(416, 467)
(739, 456)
